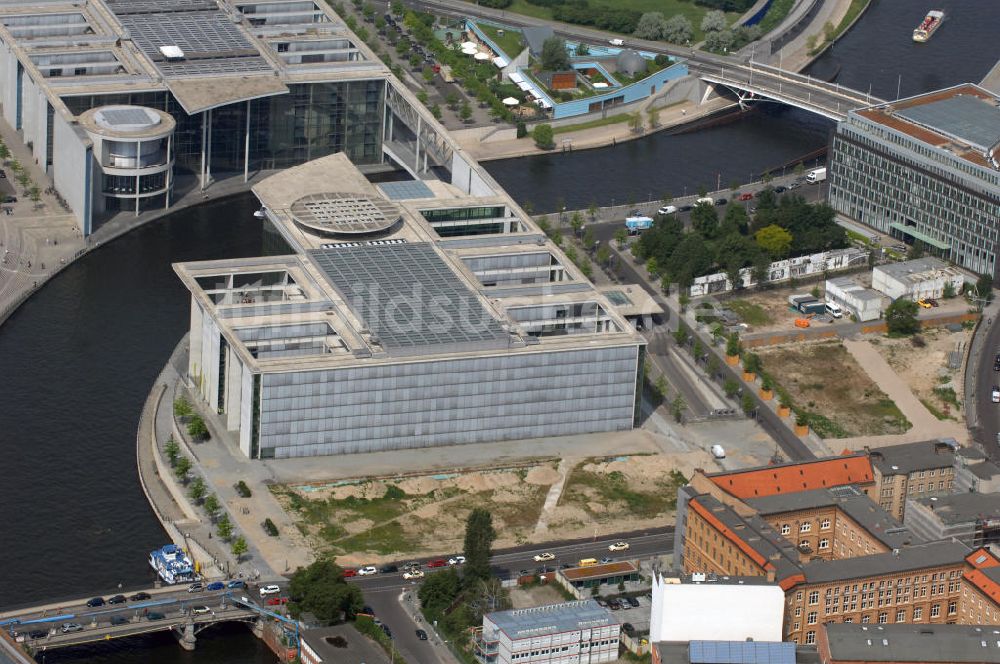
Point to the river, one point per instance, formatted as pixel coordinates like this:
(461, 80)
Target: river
(78, 359)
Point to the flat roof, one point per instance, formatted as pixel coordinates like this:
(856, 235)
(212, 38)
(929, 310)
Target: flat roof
(599, 571)
(741, 652)
(354, 648)
(964, 507)
(680, 652)
(552, 619)
(408, 297)
(850, 642)
(909, 457)
(919, 269)
(921, 556)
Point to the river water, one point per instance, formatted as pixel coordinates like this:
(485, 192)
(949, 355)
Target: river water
(78, 359)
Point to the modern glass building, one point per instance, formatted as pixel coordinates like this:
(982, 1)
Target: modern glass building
(925, 169)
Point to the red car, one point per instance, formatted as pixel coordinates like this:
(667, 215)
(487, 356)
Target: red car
(350, 572)
(437, 562)
(277, 601)
(746, 197)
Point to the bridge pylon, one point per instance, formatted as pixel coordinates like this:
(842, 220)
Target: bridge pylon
(187, 639)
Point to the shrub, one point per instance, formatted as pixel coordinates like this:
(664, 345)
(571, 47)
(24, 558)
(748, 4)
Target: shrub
(197, 429)
(393, 492)
(270, 528)
(544, 136)
(182, 408)
(242, 489)
(522, 130)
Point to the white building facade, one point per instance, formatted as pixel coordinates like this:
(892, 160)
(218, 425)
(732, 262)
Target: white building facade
(863, 303)
(917, 279)
(575, 632)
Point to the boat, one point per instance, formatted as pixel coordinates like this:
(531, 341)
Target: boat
(172, 564)
(927, 27)
(261, 213)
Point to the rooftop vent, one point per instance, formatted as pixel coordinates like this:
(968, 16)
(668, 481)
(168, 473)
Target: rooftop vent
(171, 52)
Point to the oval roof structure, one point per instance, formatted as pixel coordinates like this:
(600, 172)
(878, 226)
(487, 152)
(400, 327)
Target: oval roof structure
(344, 214)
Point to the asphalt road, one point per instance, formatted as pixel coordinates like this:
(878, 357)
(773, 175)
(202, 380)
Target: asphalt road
(988, 412)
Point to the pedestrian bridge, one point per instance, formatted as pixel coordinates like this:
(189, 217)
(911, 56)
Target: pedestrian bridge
(184, 614)
(755, 82)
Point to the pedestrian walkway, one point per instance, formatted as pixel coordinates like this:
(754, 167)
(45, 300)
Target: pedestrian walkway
(566, 464)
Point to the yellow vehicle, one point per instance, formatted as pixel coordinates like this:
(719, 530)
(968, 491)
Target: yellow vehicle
(923, 304)
(587, 562)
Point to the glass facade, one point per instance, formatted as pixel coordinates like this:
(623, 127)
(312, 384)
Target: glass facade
(912, 191)
(311, 121)
(471, 400)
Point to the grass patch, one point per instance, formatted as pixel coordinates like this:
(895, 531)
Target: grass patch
(583, 486)
(947, 395)
(752, 314)
(775, 15)
(857, 6)
(590, 124)
(935, 411)
(385, 539)
(524, 513)
(510, 42)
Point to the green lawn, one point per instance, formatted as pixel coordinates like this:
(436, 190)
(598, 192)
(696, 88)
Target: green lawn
(752, 314)
(590, 124)
(775, 15)
(510, 42)
(667, 7)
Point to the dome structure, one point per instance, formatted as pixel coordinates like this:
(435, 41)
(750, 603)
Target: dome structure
(631, 63)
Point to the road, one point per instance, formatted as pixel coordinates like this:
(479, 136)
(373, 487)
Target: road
(988, 413)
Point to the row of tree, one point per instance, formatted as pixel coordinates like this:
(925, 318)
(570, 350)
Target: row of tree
(678, 29)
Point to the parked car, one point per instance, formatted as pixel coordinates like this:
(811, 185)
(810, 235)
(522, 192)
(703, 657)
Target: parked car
(780, 189)
(618, 546)
(277, 601)
(367, 570)
(542, 557)
(614, 605)
(96, 601)
(117, 599)
(923, 304)
(525, 572)
(602, 602)
(67, 628)
(995, 394)
(269, 589)
(667, 209)
(794, 185)
(388, 569)
(456, 560)
(155, 615)
(422, 635)
(437, 562)
(684, 208)
(633, 602)
(367, 611)
(721, 201)
(3, 174)
(348, 573)
(200, 610)
(236, 583)
(413, 574)
(931, 301)
(605, 560)
(9, 199)
(718, 451)
(196, 587)
(386, 630)
(215, 585)
(38, 634)
(628, 629)
(747, 196)
(138, 597)
(119, 620)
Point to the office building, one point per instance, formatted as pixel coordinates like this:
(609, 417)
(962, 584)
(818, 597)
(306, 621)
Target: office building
(918, 279)
(412, 314)
(912, 470)
(581, 632)
(841, 643)
(127, 104)
(927, 169)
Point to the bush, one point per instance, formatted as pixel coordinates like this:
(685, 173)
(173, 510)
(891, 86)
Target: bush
(242, 489)
(270, 528)
(182, 408)
(393, 492)
(197, 429)
(544, 136)
(522, 130)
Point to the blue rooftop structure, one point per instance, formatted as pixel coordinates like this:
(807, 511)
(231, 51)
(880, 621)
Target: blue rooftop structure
(405, 190)
(741, 652)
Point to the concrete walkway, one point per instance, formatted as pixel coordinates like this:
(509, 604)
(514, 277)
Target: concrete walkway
(566, 464)
(925, 425)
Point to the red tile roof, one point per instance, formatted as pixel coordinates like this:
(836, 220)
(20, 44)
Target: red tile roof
(982, 559)
(794, 477)
(724, 530)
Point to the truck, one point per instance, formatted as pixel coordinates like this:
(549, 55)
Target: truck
(636, 224)
(816, 176)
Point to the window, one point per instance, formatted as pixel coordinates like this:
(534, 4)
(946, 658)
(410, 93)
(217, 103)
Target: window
(824, 543)
(798, 596)
(805, 527)
(814, 597)
(883, 618)
(824, 524)
(952, 608)
(811, 618)
(901, 616)
(798, 611)
(810, 638)
(866, 619)
(785, 529)
(935, 610)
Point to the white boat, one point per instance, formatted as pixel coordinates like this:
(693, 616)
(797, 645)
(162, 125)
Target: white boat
(172, 564)
(927, 27)
(261, 213)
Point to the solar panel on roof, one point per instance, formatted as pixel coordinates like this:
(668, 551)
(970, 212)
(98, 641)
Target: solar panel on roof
(741, 652)
(966, 117)
(408, 297)
(125, 116)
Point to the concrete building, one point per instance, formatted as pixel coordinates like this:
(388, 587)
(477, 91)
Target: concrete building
(917, 279)
(925, 168)
(559, 633)
(580, 581)
(913, 470)
(717, 608)
(864, 303)
(841, 643)
(975, 472)
(972, 518)
(410, 315)
(730, 652)
(127, 104)
(340, 644)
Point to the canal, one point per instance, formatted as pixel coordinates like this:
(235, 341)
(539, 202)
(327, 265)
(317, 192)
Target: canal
(77, 360)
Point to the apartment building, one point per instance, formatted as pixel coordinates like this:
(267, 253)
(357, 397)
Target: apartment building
(972, 518)
(912, 470)
(840, 643)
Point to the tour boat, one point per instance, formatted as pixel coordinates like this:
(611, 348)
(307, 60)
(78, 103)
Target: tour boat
(927, 27)
(172, 564)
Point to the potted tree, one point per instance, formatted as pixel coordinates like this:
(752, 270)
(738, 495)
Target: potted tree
(751, 366)
(801, 425)
(784, 407)
(733, 350)
(766, 389)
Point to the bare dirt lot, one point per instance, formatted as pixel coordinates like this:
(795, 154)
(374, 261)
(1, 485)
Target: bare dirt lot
(923, 363)
(370, 521)
(826, 384)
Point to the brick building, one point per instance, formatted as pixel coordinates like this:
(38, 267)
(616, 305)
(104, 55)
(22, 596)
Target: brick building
(912, 470)
(839, 643)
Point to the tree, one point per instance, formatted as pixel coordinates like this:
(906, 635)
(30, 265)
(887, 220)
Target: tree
(730, 387)
(415, 60)
(652, 266)
(422, 97)
(621, 237)
(592, 210)
(554, 55)
(436, 111)
(439, 591)
(714, 21)
(949, 291)
(697, 349)
(603, 255)
(775, 240)
(465, 112)
(397, 7)
(544, 136)
(677, 407)
(984, 287)
(479, 536)
(589, 239)
(901, 317)
(705, 220)
(428, 74)
(651, 25)
(196, 489)
(582, 49)
(576, 222)
(678, 29)
(320, 589)
(172, 450)
(452, 100)
(748, 404)
(34, 193)
(211, 505)
(522, 130)
(733, 345)
(681, 335)
(182, 467)
(916, 251)
(4, 152)
(380, 24)
(224, 527)
(197, 428)
(720, 42)
(239, 547)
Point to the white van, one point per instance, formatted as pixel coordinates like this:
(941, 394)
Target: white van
(816, 176)
(707, 200)
(718, 451)
(667, 209)
(616, 42)
(834, 309)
